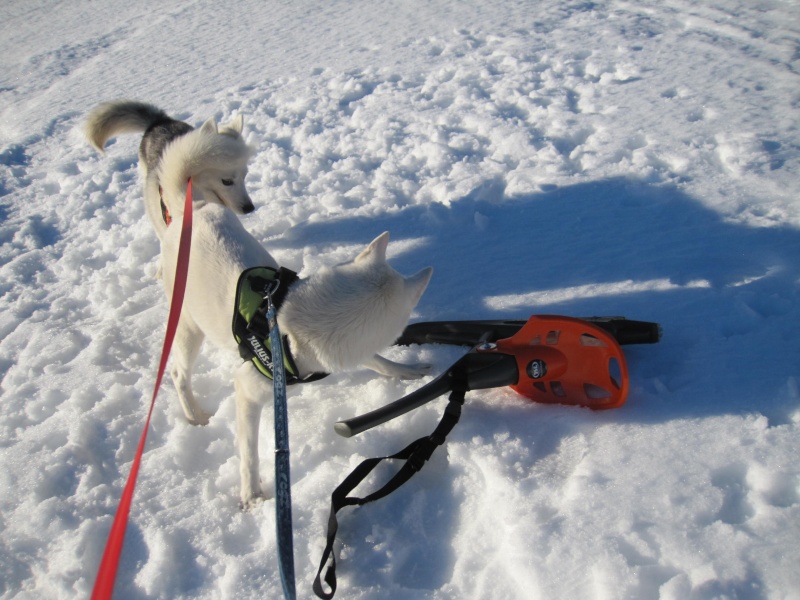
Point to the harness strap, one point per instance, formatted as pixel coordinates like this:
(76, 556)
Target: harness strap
(415, 455)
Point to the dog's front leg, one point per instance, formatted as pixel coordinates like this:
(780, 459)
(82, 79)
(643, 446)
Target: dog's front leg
(389, 368)
(251, 388)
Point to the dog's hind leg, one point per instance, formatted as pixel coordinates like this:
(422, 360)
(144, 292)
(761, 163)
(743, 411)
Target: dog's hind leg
(251, 391)
(188, 339)
(389, 368)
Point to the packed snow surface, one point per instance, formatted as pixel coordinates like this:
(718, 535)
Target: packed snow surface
(578, 158)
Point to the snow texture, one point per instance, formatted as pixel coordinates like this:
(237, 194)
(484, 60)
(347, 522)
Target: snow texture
(579, 158)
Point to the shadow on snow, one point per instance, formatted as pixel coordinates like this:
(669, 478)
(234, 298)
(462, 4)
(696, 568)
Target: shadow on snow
(724, 292)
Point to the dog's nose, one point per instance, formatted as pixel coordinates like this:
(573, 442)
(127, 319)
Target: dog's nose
(248, 208)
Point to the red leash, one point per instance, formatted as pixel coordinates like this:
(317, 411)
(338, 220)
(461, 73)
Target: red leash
(107, 573)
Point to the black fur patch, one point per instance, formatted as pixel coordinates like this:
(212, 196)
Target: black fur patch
(156, 138)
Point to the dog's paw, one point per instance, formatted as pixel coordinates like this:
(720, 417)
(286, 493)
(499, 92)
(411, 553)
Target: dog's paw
(251, 503)
(201, 417)
(389, 368)
(416, 371)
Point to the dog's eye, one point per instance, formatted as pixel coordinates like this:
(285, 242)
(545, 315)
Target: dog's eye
(227, 182)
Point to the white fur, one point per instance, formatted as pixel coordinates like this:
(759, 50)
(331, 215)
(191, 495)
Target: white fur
(207, 157)
(336, 319)
(216, 157)
(341, 315)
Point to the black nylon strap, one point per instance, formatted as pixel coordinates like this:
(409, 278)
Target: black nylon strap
(416, 454)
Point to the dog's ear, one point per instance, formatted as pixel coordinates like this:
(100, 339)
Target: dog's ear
(376, 251)
(209, 126)
(416, 284)
(237, 125)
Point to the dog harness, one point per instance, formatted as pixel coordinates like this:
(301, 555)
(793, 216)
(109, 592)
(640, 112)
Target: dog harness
(257, 287)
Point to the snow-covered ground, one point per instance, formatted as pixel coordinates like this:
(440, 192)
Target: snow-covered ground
(612, 157)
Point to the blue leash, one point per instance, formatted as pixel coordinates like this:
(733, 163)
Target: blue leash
(283, 491)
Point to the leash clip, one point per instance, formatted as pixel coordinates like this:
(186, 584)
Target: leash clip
(271, 289)
(271, 309)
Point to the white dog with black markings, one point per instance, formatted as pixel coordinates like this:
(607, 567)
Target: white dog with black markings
(338, 318)
(220, 161)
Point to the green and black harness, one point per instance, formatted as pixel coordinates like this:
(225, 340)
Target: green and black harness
(258, 286)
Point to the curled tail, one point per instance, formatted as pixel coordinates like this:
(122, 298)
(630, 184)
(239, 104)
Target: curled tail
(112, 118)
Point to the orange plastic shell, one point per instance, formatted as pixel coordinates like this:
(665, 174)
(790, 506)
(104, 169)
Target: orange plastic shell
(563, 360)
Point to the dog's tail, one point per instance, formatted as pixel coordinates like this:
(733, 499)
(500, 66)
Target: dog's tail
(125, 116)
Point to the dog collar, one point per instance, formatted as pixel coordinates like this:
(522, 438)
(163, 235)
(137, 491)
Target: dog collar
(164, 210)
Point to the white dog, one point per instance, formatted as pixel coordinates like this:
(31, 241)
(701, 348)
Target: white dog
(336, 319)
(221, 178)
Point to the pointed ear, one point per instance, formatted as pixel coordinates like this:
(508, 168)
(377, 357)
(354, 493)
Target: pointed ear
(376, 251)
(209, 126)
(416, 284)
(237, 125)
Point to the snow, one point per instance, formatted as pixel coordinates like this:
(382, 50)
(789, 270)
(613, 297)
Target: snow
(579, 158)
